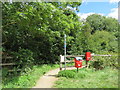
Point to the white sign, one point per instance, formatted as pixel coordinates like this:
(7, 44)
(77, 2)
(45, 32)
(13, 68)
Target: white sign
(62, 58)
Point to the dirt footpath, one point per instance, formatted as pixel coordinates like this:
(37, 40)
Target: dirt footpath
(47, 80)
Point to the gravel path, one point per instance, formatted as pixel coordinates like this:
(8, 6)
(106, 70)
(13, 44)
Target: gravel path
(47, 80)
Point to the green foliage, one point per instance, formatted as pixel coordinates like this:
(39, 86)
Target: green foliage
(24, 59)
(67, 74)
(63, 5)
(24, 56)
(27, 80)
(102, 41)
(98, 34)
(98, 65)
(105, 61)
(4, 72)
(73, 73)
(35, 26)
(98, 22)
(89, 78)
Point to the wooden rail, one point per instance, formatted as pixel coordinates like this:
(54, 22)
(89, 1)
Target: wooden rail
(75, 55)
(7, 57)
(14, 70)
(84, 55)
(69, 61)
(7, 64)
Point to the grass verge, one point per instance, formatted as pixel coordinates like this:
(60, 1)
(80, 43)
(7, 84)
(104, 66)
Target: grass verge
(27, 80)
(88, 78)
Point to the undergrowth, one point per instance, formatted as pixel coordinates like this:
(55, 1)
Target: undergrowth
(27, 79)
(88, 78)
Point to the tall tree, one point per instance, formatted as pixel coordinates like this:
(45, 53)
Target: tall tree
(99, 22)
(38, 27)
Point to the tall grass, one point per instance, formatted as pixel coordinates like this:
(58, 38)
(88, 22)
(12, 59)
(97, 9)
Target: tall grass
(88, 78)
(28, 79)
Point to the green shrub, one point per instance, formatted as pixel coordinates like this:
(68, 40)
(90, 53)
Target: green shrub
(104, 61)
(73, 73)
(87, 78)
(4, 72)
(27, 80)
(67, 74)
(24, 58)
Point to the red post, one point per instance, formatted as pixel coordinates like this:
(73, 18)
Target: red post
(87, 57)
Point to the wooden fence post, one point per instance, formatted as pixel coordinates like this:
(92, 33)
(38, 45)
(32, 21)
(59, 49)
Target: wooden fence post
(61, 60)
(60, 63)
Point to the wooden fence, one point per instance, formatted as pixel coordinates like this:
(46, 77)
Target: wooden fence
(73, 56)
(8, 65)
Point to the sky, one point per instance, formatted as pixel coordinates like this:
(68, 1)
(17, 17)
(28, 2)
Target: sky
(107, 8)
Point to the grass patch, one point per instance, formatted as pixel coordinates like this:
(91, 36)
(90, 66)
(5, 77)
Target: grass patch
(88, 78)
(27, 80)
(67, 74)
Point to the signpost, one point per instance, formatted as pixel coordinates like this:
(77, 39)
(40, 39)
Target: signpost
(65, 50)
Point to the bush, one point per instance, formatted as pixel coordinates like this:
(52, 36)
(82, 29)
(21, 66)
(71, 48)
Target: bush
(104, 61)
(87, 78)
(67, 74)
(73, 73)
(24, 58)
(27, 80)
(4, 72)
